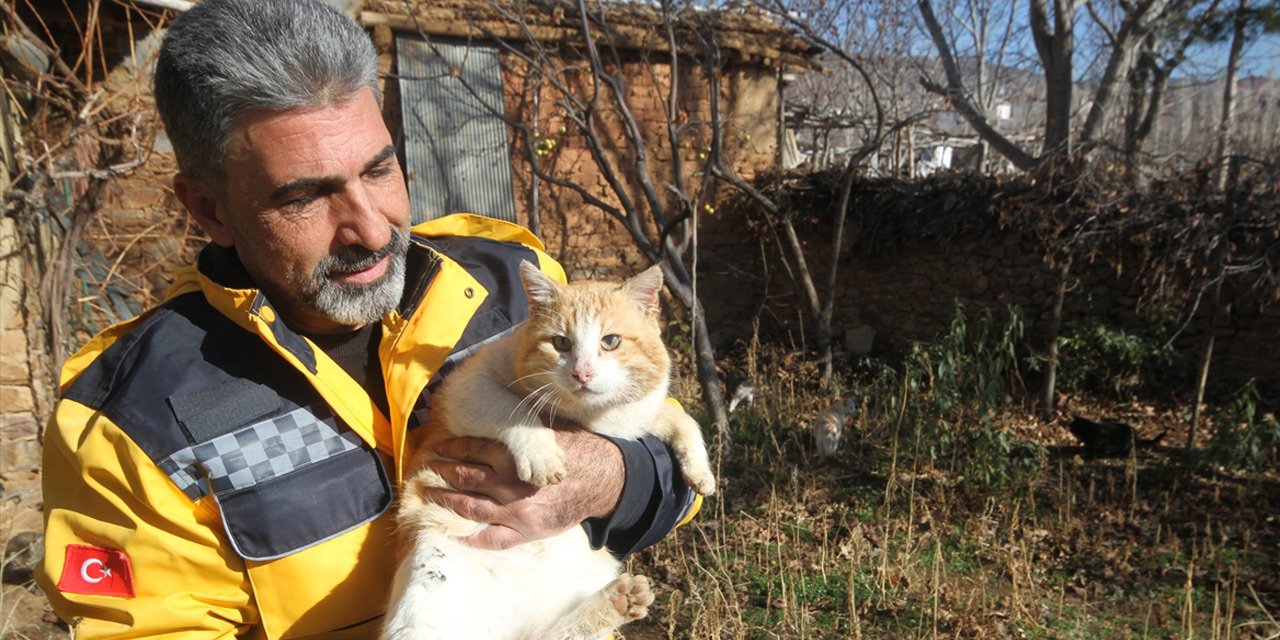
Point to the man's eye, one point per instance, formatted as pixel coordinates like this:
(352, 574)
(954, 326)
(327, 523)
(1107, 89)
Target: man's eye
(561, 344)
(299, 202)
(379, 171)
(611, 341)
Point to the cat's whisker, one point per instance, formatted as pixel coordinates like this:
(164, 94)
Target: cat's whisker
(547, 394)
(549, 397)
(534, 399)
(554, 407)
(528, 376)
(538, 399)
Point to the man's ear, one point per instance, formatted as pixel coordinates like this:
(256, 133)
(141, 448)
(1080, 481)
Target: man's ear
(204, 204)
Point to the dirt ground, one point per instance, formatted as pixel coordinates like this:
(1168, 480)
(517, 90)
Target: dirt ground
(24, 612)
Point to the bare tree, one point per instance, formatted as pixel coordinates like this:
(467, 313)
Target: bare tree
(987, 62)
(956, 89)
(1239, 24)
(584, 61)
(1159, 55)
(851, 37)
(1136, 22)
(1126, 29)
(82, 130)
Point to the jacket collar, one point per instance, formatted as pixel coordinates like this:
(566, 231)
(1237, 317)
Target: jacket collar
(222, 265)
(228, 287)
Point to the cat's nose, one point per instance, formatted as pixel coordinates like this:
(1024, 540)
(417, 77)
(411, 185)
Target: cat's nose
(583, 374)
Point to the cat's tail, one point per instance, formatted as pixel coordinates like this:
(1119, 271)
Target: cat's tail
(1151, 442)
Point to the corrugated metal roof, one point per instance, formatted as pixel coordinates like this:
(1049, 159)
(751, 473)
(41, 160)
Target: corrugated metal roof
(456, 148)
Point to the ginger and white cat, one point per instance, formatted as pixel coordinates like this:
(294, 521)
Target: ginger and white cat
(590, 353)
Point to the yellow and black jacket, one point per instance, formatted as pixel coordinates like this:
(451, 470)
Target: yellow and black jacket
(241, 482)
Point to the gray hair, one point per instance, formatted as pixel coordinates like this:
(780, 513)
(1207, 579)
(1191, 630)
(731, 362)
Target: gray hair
(224, 58)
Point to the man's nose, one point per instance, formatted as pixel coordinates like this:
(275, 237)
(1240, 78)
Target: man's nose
(360, 221)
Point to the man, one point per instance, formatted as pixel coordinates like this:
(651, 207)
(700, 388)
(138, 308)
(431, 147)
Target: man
(224, 464)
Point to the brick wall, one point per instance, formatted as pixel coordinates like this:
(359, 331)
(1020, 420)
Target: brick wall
(589, 239)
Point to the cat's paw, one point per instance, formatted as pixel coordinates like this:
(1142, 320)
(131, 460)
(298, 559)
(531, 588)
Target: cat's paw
(544, 467)
(630, 596)
(701, 481)
(696, 469)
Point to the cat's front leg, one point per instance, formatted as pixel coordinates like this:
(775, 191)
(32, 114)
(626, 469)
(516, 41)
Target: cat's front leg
(539, 459)
(683, 434)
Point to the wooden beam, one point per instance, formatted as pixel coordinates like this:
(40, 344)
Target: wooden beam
(454, 23)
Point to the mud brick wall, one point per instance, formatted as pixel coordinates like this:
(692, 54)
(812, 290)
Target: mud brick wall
(144, 229)
(588, 240)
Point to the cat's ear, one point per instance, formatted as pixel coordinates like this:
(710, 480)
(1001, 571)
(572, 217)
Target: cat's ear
(540, 288)
(645, 287)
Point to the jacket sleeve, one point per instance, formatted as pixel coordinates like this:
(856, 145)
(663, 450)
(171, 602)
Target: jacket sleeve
(655, 500)
(103, 495)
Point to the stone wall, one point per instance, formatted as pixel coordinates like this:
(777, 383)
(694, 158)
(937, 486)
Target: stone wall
(908, 295)
(906, 289)
(20, 350)
(26, 392)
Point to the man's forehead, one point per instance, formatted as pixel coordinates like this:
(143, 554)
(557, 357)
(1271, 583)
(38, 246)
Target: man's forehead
(350, 134)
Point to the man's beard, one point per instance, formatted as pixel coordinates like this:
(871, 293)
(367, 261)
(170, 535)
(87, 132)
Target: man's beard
(351, 303)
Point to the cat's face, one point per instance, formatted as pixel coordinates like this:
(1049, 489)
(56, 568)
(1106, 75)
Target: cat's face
(849, 406)
(593, 344)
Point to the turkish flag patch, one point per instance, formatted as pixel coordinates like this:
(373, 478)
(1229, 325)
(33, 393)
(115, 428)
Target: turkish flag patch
(94, 571)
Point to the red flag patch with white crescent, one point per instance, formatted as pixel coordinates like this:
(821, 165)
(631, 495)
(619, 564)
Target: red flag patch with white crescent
(94, 571)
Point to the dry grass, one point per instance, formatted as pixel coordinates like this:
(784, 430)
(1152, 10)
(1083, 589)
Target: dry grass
(883, 542)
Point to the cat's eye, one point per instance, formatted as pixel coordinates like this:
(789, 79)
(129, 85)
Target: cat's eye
(611, 341)
(561, 343)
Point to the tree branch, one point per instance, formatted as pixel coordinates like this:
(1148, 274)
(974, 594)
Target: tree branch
(956, 95)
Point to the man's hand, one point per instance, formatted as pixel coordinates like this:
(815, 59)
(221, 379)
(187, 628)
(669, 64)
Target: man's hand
(487, 489)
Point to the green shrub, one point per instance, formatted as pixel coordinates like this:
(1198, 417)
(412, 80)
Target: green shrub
(1244, 440)
(1099, 357)
(941, 403)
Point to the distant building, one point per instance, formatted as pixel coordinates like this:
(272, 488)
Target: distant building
(831, 116)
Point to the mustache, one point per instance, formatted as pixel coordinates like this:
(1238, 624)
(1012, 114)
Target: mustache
(356, 258)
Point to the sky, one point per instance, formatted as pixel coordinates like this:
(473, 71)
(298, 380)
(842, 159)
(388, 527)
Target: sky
(1260, 58)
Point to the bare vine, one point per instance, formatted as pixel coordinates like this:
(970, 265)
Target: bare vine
(81, 130)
